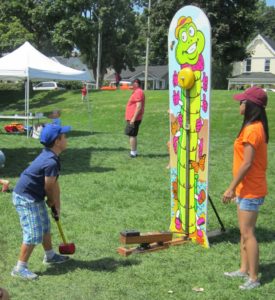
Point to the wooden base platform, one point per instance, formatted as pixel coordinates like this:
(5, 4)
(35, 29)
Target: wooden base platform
(148, 242)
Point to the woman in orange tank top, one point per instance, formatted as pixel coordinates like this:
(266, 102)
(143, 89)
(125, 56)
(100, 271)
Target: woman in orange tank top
(249, 185)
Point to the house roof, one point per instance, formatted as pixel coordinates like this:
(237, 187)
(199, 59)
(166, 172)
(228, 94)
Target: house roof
(270, 42)
(266, 40)
(256, 75)
(253, 77)
(155, 72)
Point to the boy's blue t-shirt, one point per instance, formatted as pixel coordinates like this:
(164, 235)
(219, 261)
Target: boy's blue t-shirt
(31, 183)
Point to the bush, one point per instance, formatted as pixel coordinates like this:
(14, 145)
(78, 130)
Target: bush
(12, 85)
(71, 85)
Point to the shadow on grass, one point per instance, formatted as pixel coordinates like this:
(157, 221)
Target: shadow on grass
(268, 272)
(14, 100)
(106, 264)
(153, 155)
(45, 99)
(73, 133)
(77, 133)
(232, 235)
(263, 236)
(73, 160)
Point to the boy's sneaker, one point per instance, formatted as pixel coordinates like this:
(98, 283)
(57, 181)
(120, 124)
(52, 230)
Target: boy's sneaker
(235, 274)
(250, 284)
(56, 259)
(24, 274)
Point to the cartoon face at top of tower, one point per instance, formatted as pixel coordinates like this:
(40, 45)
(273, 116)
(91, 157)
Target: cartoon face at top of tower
(190, 41)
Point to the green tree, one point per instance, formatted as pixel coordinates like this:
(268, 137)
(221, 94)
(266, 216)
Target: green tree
(265, 23)
(22, 20)
(60, 26)
(13, 34)
(76, 24)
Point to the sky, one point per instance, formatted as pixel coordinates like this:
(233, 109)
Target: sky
(270, 2)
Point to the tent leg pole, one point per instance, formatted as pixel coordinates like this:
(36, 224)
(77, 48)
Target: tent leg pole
(28, 104)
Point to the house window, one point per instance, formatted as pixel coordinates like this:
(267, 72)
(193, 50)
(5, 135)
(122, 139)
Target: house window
(267, 65)
(248, 65)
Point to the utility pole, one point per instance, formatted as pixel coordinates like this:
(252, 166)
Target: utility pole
(99, 42)
(147, 47)
(98, 58)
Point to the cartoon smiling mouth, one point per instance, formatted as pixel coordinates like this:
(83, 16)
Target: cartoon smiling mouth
(192, 48)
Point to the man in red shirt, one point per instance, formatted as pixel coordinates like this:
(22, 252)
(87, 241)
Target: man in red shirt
(133, 115)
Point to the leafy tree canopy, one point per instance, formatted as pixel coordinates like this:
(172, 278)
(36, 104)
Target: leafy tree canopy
(232, 21)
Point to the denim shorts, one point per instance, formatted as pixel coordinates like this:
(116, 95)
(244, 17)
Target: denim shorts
(34, 219)
(249, 204)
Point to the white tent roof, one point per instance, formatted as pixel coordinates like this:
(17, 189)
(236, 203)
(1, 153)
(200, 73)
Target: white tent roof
(28, 62)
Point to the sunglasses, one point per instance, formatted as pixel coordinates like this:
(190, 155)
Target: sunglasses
(242, 102)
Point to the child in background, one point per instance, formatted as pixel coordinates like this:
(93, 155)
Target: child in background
(169, 143)
(5, 183)
(84, 93)
(55, 116)
(38, 181)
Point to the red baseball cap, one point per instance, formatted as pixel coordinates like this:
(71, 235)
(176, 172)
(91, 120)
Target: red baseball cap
(254, 94)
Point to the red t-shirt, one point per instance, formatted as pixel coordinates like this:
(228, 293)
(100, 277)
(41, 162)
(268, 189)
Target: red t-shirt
(84, 91)
(137, 96)
(254, 183)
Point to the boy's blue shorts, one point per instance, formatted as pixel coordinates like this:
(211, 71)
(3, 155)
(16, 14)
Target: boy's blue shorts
(250, 204)
(34, 219)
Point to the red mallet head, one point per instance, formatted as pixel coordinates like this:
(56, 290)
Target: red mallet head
(67, 248)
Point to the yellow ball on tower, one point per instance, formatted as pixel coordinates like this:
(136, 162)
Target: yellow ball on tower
(186, 78)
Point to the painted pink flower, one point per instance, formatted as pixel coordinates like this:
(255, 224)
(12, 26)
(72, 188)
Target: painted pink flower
(199, 124)
(200, 234)
(175, 143)
(205, 82)
(204, 104)
(175, 78)
(180, 119)
(178, 223)
(200, 221)
(176, 97)
(200, 144)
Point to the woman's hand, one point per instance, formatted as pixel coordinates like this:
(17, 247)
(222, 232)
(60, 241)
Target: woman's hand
(228, 195)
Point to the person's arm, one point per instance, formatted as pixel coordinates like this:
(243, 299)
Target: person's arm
(52, 192)
(249, 153)
(137, 111)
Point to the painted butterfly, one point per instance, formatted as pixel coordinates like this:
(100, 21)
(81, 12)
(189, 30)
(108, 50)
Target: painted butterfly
(198, 165)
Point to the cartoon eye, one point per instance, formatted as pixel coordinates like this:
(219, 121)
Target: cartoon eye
(191, 31)
(184, 36)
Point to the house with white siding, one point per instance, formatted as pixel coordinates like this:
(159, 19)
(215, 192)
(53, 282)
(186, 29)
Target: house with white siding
(258, 69)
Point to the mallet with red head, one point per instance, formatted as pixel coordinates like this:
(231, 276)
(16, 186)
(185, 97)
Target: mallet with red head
(65, 248)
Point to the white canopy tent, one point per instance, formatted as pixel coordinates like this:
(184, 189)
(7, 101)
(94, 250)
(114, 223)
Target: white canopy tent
(26, 63)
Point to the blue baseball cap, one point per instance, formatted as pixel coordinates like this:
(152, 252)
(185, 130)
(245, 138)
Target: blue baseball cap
(51, 131)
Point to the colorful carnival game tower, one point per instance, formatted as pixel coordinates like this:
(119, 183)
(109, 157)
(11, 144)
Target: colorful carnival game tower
(189, 53)
(189, 49)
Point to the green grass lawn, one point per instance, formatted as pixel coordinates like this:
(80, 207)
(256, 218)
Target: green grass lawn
(104, 192)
